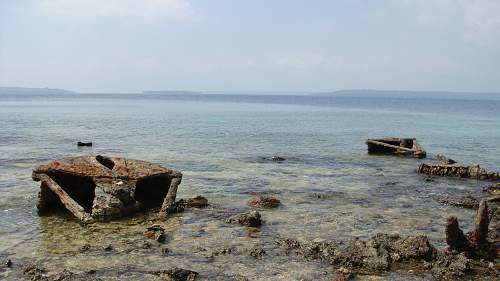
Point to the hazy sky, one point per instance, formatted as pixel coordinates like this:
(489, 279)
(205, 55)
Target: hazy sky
(278, 45)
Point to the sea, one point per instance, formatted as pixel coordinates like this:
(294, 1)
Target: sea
(329, 186)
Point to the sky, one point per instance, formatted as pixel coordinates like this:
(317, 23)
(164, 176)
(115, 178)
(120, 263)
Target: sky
(251, 45)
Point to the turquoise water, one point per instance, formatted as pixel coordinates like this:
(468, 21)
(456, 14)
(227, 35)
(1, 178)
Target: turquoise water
(218, 142)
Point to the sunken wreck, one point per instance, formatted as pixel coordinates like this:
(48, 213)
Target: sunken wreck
(397, 146)
(100, 188)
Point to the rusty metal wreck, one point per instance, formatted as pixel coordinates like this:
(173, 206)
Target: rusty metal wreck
(103, 188)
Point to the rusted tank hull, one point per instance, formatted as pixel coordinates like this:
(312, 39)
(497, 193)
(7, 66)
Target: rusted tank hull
(396, 146)
(105, 188)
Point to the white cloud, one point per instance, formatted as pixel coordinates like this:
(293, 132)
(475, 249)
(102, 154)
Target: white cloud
(149, 10)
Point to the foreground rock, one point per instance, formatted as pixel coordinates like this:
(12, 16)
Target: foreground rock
(251, 218)
(449, 170)
(104, 188)
(264, 202)
(467, 254)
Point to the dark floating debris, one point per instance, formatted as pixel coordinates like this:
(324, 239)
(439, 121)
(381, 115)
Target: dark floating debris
(457, 171)
(397, 146)
(84, 143)
(266, 202)
(105, 188)
(278, 158)
(251, 218)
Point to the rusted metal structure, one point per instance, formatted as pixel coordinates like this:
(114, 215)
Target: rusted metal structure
(397, 146)
(104, 188)
(458, 171)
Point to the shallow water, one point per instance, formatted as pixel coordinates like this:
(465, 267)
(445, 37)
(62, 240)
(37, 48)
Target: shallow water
(218, 142)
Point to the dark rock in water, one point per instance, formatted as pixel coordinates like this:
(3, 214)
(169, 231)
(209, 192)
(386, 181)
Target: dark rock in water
(468, 202)
(177, 274)
(106, 208)
(257, 252)
(195, 202)
(165, 251)
(288, 243)
(108, 248)
(8, 263)
(84, 143)
(156, 232)
(248, 219)
(264, 202)
(493, 189)
(451, 266)
(84, 248)
(36, 272)
(445, 160)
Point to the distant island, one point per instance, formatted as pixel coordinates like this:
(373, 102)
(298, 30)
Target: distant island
(33, 91)
(365, 93)
(173, 93)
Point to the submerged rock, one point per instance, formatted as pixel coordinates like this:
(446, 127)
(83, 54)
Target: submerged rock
(257, 252)
(468, 201)
(177, 274)
(264, 202)
(251, 218)
(156, 232)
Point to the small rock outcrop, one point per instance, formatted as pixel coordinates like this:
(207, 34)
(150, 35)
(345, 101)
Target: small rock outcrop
(251, 218)
(264, 202)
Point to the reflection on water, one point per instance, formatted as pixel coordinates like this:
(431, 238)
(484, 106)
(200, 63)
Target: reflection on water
(329, 187)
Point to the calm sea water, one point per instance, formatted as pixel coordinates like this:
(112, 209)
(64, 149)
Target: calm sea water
(218, 142)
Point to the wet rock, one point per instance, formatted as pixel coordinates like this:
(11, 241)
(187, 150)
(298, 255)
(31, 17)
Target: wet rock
(177, 274)
(224, 251)
(444, 159)
(195, 202)
(266, 202)
(288, 243)
(84, 248)
(493, 189)
(36, 272)
(257, 252)
(451, 266)
(165, 251)
(251, 218)
(156, 232)
(375, 254)
(108, 248)
(8, 263)
(106, 208)
(468, 201)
